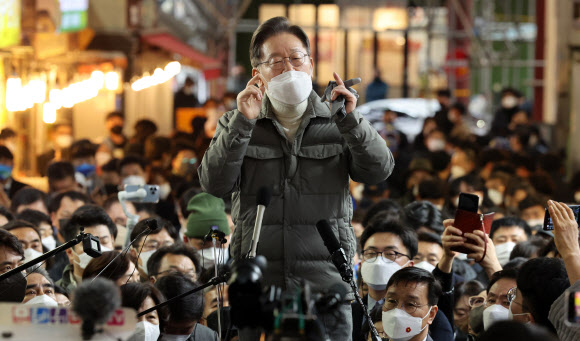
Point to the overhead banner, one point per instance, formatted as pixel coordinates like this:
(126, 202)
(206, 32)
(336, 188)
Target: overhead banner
(9, 23)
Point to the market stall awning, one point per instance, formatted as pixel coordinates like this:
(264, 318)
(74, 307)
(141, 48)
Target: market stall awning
(210, 66)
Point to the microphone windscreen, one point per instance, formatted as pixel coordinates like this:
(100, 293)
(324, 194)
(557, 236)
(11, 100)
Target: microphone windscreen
(96, 300)
(325, 231)
(152, 224)
(338, 289)
(264, 196)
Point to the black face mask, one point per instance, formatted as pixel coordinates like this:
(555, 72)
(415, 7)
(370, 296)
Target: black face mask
(117, 130)
(13, 288)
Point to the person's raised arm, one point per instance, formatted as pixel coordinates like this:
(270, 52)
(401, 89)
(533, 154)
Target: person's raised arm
(370, 160)
(566, 238)
(485, 255)
(451, 237)
(221, 165)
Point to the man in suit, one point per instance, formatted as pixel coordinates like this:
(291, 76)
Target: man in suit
(9, 185)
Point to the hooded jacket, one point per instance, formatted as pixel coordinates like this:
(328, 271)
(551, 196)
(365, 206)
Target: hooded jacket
(309, 178)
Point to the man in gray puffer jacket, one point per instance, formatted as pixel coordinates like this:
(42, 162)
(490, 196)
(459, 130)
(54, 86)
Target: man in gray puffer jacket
(282, 136)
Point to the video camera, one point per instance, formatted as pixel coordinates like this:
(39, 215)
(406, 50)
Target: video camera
(290, 315)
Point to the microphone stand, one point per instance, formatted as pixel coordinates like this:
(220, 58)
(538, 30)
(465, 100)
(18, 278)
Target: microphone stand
(78, 239)
(132, 220)
(214, 281)
(216, 235)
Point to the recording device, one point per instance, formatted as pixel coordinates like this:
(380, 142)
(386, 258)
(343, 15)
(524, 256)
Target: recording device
(336, 252)
(572, 305)
(468, 202)
(549, 225)
(287, 315)
(337, 106)
(140, 193)
(262, 200)
(92, 246)
(215, 233)
(95, 302)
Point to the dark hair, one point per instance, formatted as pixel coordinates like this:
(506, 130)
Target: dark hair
(387, 205)
(132, 159)
(54, 203)
(433, 188)
(430, 238)
(509, 221)
(6, 213)
(40, 271)
(444, 93)
(8, 240)
(270, 28)
(111, 166)
(134, 294)
(7, 133)
(492, 155)
(83, 148)
(439, 160)
(412, 274)
(185, 197)
(87, 216)
(156, 146)
(60, 170)
(527, 249)
(116, 270)
(186, 309)
(407, 235)
(541, 281)
(531, 201)
(209, 273)
(423, 213)
(469, 288)
(471, 180)
(512, 330)
(459, 107)
(145, 128)
(515, 263)
(5, 153)
(511, 273)
(154, 263)
(115, 114)
(16, 224)
(27, 196)
(142, 226)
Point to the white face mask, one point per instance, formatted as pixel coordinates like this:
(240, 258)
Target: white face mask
(290, 87)
(145, 331)
(377, 274)
(534, 223)
(457, 172)
(425, 266)
(509, 102)
(207, 257)
(401, 326)
(144, 258)
(134, 180)
(30, 254)
(494, 314)
(503, 251)
(435, 145)
(49, 242)
(43, 300)
(164, 191)
(63, 141)
(84, 259)
(495, 196)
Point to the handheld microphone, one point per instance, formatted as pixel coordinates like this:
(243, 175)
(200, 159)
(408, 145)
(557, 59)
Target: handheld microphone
(330, 301)
(95, 302)
(263, 200)
(337, 253)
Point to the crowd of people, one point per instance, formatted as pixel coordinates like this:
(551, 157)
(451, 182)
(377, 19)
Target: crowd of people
(509, 282)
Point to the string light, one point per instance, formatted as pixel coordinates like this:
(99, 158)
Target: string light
(48, 113)
(159, 76)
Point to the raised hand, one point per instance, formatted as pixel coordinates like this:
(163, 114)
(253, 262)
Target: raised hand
(250, 99)
(340, 90)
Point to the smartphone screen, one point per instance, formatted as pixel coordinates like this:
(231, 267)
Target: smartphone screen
(468, 202)
(574, 307)
(549, 226)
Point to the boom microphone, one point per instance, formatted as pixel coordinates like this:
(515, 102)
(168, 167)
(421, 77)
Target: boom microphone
(336, 252)
(95, 302)
(263, 200)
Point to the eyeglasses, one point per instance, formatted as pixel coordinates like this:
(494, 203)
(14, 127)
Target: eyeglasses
(409, 307)
(476, 301)
(277, 63)
(392, 255)
(154, 244)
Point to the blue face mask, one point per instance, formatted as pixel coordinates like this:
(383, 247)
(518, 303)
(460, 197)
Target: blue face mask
(5, 172)
(86, 169)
